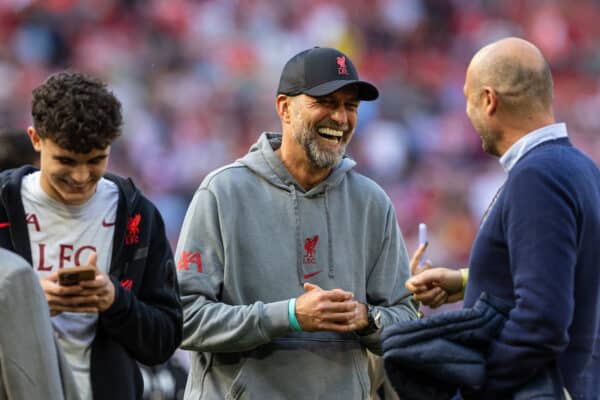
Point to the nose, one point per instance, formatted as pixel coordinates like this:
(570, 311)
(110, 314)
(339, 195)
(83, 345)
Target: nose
(340, 115)
(80, 175)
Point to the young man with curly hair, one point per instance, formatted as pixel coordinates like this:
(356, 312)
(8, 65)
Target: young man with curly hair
(71, 212)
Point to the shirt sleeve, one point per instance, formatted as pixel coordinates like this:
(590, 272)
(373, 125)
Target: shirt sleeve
(211, 325)
(385, 283)
(148, 323)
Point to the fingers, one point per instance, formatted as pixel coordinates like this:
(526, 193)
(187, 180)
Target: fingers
(55, 309)
(338, 295)
(336, 307)
(102, 287)
(416, 258)
(71, 301)
(83, 303)
(51, 287)
(333, 327)
(427, 278)
(429, 297)
(311, 286)
(454, 297)
(331, 295)
(97, 283)
(88, 296)
(319, 309)
(338, 321)
(51, 277)
(341, 318)
(439, 299)
(411, 287)
(92, 259)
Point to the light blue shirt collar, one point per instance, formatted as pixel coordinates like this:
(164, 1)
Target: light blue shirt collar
(529, 141)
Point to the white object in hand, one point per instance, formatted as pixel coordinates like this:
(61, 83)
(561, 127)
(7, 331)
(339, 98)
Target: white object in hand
(422, 240)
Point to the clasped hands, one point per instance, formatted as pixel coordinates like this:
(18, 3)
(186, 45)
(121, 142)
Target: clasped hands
(329, 310)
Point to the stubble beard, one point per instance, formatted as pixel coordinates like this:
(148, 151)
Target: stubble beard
(489, 142)
(489, 138)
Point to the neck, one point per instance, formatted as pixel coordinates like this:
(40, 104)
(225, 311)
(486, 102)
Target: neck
(521, 128)
(299, 166)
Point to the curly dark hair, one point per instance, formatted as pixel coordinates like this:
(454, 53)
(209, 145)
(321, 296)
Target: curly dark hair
(76, 111)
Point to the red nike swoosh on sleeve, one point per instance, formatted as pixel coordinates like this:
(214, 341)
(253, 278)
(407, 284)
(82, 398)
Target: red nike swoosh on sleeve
(4, 224)
(107, 224)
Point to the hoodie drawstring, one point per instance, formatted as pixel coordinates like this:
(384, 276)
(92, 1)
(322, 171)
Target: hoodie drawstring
(298, 236)
(329, 233)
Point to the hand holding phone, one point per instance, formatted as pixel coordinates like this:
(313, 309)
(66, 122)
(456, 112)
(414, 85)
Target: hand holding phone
(73, 275)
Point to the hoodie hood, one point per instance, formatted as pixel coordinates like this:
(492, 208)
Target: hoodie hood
(263, 161)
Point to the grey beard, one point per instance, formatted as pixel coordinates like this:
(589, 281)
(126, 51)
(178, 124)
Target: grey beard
(322, 159)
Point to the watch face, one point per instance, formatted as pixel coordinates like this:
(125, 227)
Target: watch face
(377, 319)
(374, 317)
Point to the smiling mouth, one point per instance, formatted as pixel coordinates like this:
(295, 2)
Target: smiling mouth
(75, 188)
(331, 135)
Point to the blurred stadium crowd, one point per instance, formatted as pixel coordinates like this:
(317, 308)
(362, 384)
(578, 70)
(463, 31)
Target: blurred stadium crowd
(197, 80)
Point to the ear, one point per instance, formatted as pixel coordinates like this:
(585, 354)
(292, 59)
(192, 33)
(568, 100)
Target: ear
(490, 101)
(283, 104)
(36, 140)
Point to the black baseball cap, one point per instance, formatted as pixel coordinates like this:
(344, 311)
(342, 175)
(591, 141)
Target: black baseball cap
(321, 71)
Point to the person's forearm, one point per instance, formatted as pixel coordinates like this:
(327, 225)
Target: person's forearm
(217, 327)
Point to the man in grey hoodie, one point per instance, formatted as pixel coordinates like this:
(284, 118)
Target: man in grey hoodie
(289, 262)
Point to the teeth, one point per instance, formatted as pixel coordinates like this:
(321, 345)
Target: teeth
(331, 132)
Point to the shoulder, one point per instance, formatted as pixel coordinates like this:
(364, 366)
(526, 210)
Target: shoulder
(558, 162)
(365, 187)
(550, 179)
(224, 175)
(15, 175)
(133, 198)
(12, 264)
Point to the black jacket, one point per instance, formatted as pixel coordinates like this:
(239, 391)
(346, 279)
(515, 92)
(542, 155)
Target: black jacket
(145, 321)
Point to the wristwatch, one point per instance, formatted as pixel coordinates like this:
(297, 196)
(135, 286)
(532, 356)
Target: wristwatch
(374, 322)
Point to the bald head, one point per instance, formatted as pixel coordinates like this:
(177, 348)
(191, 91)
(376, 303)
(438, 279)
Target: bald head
(519, 74)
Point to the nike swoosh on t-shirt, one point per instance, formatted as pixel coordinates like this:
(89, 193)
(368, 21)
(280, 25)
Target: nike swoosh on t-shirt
(107, 224)
(4, 224)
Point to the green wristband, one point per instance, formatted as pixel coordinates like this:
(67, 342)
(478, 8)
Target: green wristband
(292, 315)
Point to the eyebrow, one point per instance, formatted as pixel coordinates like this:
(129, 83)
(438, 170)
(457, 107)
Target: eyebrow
(98, 157)
(69, 158)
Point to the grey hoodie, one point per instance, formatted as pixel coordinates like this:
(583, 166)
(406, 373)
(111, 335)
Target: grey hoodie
(250, 239)
(32, 365)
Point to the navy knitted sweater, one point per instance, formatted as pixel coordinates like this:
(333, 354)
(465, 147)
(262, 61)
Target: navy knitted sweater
(539, 247)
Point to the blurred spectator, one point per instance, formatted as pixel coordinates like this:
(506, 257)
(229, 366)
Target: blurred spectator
(16, 149)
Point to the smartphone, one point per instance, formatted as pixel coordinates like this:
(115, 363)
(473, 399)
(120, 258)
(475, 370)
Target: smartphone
(73, 275)
(422, 240)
